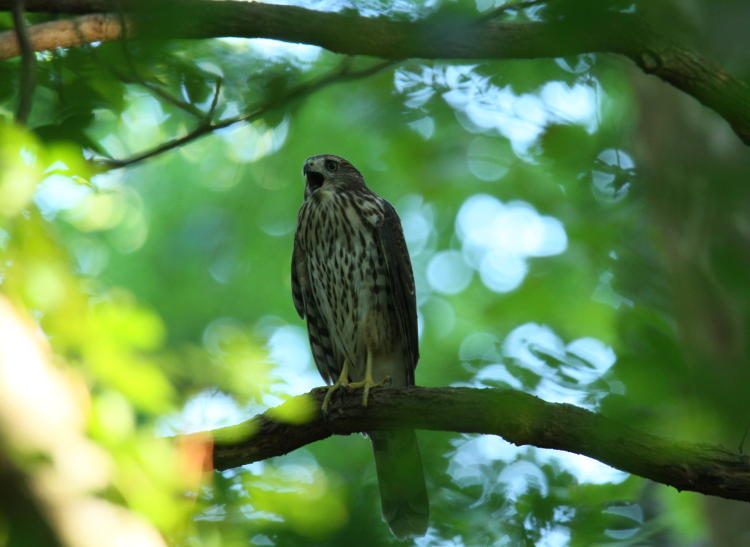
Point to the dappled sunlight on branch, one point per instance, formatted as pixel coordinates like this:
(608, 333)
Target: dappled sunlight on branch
(606, 31)
(578, 232)
(520, 418)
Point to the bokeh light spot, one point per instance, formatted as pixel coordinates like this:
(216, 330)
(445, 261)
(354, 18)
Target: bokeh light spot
(498, 237)
(448, 273)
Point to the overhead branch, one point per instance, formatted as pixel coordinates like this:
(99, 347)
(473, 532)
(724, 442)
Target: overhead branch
(28, 63)
(434, 38)
(519, 418)
(64, 33)
(162, 93)
(208, 126)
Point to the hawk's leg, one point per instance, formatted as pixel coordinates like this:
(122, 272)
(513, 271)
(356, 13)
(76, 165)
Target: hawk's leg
(367, 383)
(343, 381)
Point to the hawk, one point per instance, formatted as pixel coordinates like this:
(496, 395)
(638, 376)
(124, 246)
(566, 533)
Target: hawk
(352, 280)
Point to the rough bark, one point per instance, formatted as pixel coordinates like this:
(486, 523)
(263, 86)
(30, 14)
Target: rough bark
(435, 38)
(65, 33)
(519, 418)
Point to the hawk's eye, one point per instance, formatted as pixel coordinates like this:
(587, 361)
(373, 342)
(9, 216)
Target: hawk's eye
(331, 165)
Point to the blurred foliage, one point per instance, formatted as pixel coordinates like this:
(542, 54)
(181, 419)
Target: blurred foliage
(578, 230)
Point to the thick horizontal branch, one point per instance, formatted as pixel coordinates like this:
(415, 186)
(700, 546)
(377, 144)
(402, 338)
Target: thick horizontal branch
(519, 418)
(64, 33)
(434, 38)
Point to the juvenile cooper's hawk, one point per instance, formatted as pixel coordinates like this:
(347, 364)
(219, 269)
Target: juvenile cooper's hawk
(352, 280)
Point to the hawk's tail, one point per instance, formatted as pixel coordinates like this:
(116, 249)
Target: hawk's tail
(401, 480)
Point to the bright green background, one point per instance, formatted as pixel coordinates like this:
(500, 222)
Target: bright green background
(165, 285)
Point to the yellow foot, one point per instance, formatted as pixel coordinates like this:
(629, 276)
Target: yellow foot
(331, 390)
(367, 384)
(343, 381)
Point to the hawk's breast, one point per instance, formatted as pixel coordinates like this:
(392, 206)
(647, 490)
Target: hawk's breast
(347, 273)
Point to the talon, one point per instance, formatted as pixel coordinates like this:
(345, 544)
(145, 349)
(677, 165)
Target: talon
(327, 398)
(343, 381)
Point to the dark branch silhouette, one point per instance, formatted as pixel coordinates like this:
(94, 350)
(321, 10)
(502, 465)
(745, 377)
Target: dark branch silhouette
(434, 38)
(519, 418)
(208, 126)
(28, 64)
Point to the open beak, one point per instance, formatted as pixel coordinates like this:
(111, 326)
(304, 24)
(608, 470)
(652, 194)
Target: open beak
(314, 179)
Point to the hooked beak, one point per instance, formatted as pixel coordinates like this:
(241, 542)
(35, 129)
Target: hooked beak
(314, 179)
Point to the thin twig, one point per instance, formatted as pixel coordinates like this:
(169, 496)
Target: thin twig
(137, 77)
(28, 64)
(161, 93)
(184, 105)
(214, 100)
(339, 75)
(199, 131)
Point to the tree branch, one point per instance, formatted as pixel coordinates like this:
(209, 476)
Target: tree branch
(161, 93)
(519, 418)
(64, 33)
(341, 74)
(435, 38)
(28, 64)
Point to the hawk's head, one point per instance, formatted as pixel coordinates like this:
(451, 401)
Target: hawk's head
(331, 173)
